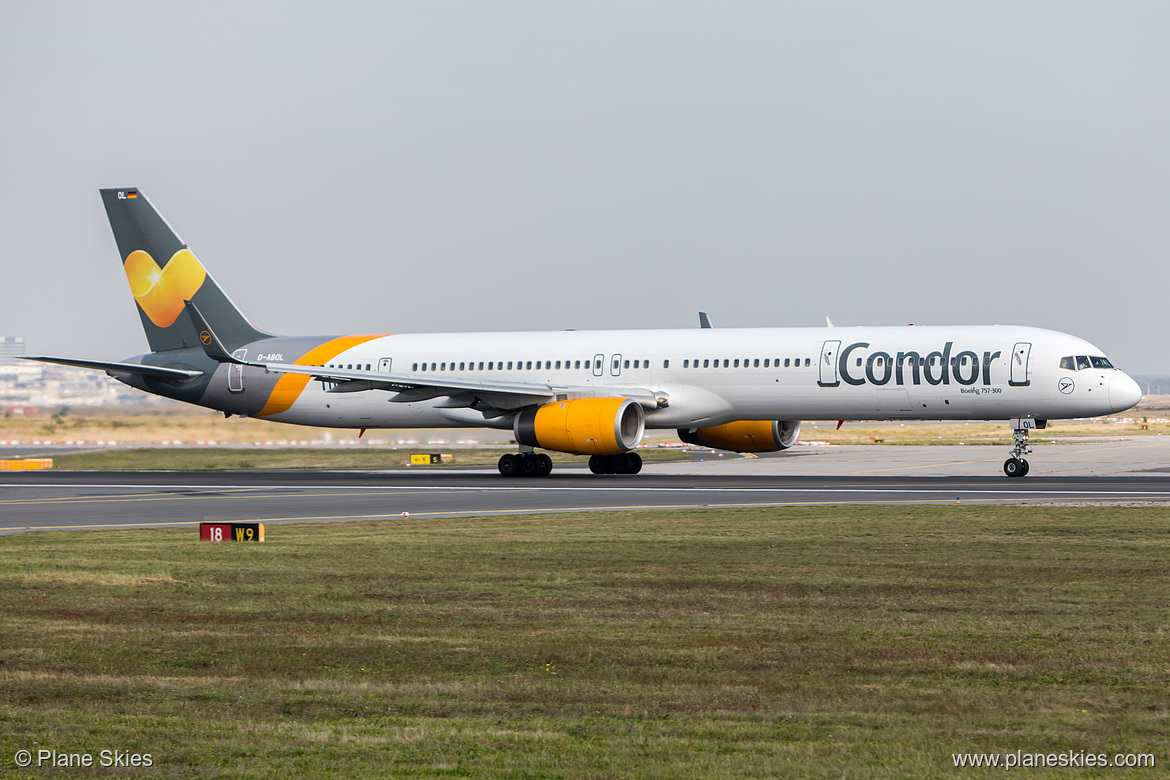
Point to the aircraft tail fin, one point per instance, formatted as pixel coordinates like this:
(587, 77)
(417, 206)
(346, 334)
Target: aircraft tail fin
(163, 274)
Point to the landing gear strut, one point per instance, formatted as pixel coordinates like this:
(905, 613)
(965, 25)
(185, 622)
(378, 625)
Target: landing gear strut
(1016, 466)
(525, 464)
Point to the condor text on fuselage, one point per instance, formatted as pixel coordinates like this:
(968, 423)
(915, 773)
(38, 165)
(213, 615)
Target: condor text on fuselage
(910, 367)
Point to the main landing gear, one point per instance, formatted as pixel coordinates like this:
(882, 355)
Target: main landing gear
(531, 464)
(622, 463)
(525, 464)
(1016, 466)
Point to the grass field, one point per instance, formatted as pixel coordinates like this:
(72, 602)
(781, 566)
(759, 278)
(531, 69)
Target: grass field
(815, 642)
(230, 459)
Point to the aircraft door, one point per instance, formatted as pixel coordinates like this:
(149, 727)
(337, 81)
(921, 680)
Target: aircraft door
(829, 352)
(236, 373)
(615, 368)
(598, 365)
(1019, 364)
(384, 365)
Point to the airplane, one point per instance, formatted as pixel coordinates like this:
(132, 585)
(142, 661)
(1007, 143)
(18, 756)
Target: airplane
(590, 392)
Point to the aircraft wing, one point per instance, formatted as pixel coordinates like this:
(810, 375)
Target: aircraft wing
(119, 368)
(488, 396)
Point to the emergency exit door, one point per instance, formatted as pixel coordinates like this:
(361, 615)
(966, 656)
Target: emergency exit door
(236, 373)
(828, 364)
(1019, 363)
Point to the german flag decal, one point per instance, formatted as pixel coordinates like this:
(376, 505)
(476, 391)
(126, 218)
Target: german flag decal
(132, 194)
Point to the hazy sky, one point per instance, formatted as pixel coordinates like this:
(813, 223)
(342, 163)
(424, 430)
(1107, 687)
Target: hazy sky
(389, 167)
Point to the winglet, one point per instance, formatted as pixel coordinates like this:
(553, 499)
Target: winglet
(211, 343)
(704, 320)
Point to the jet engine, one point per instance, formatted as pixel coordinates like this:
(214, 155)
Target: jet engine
(583, 426)
(745, 435)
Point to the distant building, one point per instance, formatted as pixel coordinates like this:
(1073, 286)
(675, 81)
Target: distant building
(11, 348)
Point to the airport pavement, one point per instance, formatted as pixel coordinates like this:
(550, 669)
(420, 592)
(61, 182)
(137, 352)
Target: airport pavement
(1122, 471)
(1143, 456)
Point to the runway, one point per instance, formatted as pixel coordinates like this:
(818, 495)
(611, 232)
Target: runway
(889, 475)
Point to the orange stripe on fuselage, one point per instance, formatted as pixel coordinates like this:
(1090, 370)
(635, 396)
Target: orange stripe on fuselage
(289, 387)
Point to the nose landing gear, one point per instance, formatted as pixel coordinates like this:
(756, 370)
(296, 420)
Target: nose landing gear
(1016, 466)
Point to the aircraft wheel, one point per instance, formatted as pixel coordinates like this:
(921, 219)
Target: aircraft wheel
(545, 465)
(1015, 467)
(621, 464)
(509, 465)
(635, 462)
(600, 464)
(529, 465)
(1026, 467)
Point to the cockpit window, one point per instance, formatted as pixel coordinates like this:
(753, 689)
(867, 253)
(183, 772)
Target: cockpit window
(1071, 363)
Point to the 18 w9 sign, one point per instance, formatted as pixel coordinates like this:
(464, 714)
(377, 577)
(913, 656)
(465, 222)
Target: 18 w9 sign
(231, 532)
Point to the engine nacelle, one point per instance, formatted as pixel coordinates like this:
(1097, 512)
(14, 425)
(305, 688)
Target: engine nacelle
(745, 435)
(583, 426)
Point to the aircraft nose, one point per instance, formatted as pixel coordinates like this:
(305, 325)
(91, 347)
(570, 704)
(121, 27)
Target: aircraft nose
(1124, 393)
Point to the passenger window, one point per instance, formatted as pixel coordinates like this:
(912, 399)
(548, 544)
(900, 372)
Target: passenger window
(725, 362)
(635, 364)
(627, 365)
(687, 363)
(737, 363)
(666, 364)
(578, 364)
(757, 365)
(529, 365)
(1082, 362)
(509, 365)
(807, 362)
(766, 363)
(786, 362)
(586, 364)
(424, 366)
(706, 362)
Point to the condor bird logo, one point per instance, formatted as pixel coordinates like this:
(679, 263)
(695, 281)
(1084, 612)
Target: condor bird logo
(1065, 385)
(205, 337)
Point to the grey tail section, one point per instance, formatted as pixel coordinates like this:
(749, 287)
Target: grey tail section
(164, 274)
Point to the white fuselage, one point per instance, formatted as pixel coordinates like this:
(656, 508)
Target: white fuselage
(709, 377)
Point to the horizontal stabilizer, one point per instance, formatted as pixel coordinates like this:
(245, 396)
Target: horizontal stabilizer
(159, 372)
(207, 338)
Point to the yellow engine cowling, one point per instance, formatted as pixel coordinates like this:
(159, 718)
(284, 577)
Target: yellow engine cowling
(583, 426)
(745, 435)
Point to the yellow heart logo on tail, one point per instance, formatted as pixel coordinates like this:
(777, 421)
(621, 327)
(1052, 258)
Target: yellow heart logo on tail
(160, 292)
